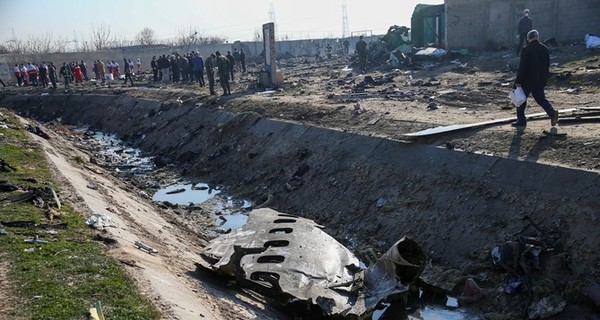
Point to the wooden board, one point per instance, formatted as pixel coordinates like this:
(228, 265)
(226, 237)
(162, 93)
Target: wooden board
(459, 127)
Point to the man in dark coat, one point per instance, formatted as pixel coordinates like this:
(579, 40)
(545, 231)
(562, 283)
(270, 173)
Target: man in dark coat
(223, 65)
(210, 64)
(525, 25)
(231, 64)
(532, 77)
(361, 51)
(154, 66)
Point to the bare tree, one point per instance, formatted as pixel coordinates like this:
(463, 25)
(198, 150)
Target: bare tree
(100, 38)
(40, 44)
(146, 37)
(187, 37)
(61, 44)
(15, 46)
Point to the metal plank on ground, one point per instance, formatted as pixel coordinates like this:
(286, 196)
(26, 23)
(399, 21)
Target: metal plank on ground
(459, 127)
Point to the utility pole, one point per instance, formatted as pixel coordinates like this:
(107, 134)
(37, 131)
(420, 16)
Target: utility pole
(345, 28)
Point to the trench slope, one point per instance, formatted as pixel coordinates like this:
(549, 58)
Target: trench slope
(367, 191)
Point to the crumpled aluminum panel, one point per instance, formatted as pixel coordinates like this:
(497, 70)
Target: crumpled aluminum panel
(281, 253)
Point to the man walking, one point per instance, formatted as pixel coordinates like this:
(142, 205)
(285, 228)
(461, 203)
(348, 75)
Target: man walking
(525, 25)
(532, 77)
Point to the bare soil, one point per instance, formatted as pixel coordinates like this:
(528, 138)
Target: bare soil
(430, 93)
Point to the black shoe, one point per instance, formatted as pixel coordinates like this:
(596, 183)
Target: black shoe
(554, 119)
(518, 124)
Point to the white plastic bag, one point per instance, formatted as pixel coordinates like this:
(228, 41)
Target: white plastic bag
(517, 96)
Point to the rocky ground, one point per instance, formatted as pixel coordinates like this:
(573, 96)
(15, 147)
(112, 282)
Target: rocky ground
(391, 102)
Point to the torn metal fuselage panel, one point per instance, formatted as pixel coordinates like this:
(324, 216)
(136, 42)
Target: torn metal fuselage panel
(293, 259)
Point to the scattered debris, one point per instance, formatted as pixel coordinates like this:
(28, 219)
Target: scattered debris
(554, 133)
(36, 195)
(471, 292)
(358, 110)
(38, 130)
(180, 190)
(8, 187)
(96, 312)
(591, 41)
(431, 52)
(281, 255)
(432, 106)
(100, 222)
(143, 246)
(36, 240)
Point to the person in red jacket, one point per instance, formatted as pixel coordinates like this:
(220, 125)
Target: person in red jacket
(78, 74)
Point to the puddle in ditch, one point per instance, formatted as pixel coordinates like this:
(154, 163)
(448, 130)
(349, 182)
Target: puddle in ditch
(186, 194)
(231, 213)
(228, 212)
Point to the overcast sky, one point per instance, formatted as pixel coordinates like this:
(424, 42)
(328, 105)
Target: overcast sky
(229, 19)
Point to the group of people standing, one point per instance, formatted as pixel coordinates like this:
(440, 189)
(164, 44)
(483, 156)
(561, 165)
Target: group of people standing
(190, 68)
(45, 74)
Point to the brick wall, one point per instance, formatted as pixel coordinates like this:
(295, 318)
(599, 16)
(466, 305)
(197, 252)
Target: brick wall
(492, 24)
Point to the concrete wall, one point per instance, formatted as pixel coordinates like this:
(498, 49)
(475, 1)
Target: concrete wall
(492, 24)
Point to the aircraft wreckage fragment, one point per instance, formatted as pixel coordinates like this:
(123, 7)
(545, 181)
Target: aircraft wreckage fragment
(293, 260)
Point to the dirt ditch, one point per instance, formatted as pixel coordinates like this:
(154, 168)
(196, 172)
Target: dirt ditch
(370, 191)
